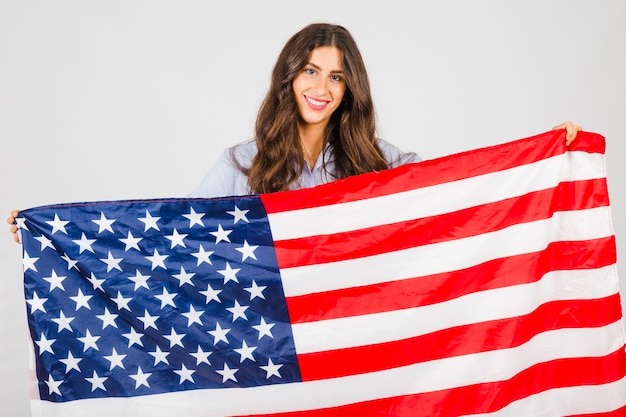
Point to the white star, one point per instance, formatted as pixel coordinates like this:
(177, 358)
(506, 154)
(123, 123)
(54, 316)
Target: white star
(149, 221)
(97, 382)
(221, 234)
(84, 244)
(219, 334)
(239, 215)
(55, 281)
(70, 262)
(176, 239)
(20, 222)
(63, 322)
(133, 337)
(57, 224)
(160, 356)
(45, 242)
(227, 373)
(211, 294)
(238, 311)
(148, 320)
(53, 386)
(140, 280)
(193, 316)
(175, 338)
(115, 359)
(71, 362)
(246, 352)
(184, 277)
(95, 282)
(36, 303)
(45, 344)
(157, 260)
(264, 329)
(28, 262)
(141, 378)
(167, 298)
(271, 369)
(247, 251)
(203, 256)
(185, 374)
(104, 223)
(108, 319)
(194, 218)
(89, 341)
(201, 356)
(82, 300)
(255, 291)
(122, 303)
(229, 274)
(112, 263)
(131, 242)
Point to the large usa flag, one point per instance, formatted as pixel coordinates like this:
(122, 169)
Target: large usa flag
(482, 283)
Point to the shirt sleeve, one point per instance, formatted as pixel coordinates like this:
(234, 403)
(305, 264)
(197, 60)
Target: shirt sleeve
(395, 156)
(224, 178)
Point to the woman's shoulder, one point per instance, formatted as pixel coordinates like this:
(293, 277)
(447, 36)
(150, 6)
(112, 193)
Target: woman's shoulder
(396, 156)
(248, 146)
(225, 177)
(241, 153)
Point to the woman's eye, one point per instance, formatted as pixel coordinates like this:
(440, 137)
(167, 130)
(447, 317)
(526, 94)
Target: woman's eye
(310, 71)
(336, 78)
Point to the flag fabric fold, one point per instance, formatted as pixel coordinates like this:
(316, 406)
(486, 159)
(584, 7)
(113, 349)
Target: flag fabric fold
(477, 284)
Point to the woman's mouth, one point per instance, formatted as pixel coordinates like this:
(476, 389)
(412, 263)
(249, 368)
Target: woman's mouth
(316, 104)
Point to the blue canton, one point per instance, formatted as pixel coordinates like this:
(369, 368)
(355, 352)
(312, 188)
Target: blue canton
(142, 297)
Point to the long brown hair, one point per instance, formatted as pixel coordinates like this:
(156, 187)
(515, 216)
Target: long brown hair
(351, 130)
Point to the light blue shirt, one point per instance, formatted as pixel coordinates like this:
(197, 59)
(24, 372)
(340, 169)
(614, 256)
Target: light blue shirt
(225, 179)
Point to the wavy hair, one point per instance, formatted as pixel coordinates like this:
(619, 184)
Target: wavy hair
(351, 130)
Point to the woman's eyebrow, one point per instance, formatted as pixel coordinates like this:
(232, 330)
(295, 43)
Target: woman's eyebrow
(317, 67)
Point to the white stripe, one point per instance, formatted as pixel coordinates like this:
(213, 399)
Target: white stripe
(567, 401)
(448, 256)
(436, 375)
(438, 199)
(477, 307)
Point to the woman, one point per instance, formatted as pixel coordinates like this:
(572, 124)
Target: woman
(316, 123)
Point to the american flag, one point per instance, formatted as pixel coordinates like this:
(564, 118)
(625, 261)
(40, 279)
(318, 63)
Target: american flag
(481, 283)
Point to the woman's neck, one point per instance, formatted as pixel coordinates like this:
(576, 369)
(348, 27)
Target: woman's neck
(312, 140)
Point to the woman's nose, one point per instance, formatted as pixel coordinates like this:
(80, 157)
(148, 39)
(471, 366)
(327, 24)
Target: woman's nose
(320, 85)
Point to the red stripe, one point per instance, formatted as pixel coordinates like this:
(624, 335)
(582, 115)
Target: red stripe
(589, 142)
(468, 222)
(426, 290)
(435, 171)
(486, 397)
(461, 340)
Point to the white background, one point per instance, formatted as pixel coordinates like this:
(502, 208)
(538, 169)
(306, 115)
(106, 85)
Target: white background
(126, 99)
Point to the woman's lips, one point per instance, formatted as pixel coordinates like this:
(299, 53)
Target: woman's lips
(316, 104)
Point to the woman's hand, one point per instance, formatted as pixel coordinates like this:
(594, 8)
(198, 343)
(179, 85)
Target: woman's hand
(571, 131)
(11, 221)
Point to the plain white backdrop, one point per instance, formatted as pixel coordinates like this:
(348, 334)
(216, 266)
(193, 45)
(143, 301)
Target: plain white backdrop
(107, 100)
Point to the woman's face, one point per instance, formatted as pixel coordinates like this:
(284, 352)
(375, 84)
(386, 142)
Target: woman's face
(320, 86)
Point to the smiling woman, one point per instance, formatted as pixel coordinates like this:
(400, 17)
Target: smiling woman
(316, 123)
